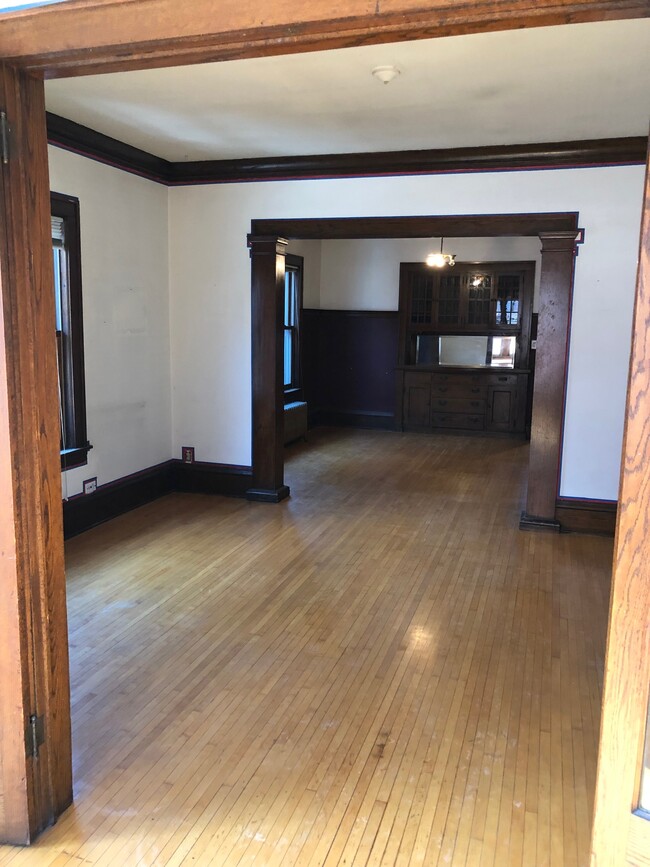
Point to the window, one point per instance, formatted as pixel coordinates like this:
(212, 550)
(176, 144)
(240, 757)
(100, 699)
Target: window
(66, 253)
(292, 307)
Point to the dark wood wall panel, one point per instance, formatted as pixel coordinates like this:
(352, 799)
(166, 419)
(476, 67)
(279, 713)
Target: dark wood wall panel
(349, 360)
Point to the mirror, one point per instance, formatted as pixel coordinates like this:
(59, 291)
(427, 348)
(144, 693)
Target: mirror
(464, 350)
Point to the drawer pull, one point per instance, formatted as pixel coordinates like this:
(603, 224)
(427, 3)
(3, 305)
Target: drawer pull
(475, 390)
(443, 389)
(503, 379)
(473, 402)
(442, 402)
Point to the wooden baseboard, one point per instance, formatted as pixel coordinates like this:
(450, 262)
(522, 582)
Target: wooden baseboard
(84, 511)
(201, 477)
(586, 516)
(353, 418)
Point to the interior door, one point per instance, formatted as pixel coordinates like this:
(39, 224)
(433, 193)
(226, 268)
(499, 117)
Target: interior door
(621, 833)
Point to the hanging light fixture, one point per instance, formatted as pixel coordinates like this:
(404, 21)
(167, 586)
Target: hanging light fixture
(440, 260)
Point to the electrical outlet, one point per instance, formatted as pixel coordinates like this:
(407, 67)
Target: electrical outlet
(90, 486)
(533, 344)
(188, 454)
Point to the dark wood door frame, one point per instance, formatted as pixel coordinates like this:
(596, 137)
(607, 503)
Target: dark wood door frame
(559, 234)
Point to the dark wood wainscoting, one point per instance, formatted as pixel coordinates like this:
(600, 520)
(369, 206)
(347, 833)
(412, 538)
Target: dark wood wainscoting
(586, 516)
(84, 511)
(348, 366)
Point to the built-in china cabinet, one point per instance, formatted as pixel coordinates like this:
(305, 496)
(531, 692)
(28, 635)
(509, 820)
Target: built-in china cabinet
(464, 346)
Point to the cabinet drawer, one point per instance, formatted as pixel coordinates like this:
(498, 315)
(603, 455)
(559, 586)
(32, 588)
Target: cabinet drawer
(458, 420)
(470, 389)
(471, 406)
(502, 378)
(457, 379)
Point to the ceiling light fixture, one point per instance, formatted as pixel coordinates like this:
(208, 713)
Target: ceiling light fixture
(439, 260)
(386, 74)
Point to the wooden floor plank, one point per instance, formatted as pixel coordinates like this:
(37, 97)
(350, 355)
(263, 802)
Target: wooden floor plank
(382, 670)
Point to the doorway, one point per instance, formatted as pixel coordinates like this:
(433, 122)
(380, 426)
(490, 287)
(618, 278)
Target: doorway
(559, 234)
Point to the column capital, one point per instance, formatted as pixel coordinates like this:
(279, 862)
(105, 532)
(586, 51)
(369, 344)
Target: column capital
(266, 244)
(561, 242)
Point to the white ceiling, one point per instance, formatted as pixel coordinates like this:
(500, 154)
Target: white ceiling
(576, 81)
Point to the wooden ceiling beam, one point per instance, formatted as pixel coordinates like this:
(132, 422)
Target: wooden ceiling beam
(96, 36)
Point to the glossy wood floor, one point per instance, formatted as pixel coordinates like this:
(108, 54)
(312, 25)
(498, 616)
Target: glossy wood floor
(382, 670)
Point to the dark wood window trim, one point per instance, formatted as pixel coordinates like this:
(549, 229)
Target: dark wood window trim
(74, 442)
(294, 390)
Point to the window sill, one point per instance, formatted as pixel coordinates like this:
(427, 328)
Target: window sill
(291, 394)
(71, 458)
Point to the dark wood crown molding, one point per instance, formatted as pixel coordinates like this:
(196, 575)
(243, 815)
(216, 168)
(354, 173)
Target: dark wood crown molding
(88, 142)
(575, 154)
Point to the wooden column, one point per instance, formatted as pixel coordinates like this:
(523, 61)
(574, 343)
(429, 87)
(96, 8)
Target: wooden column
(35, 778)
(558, 258)
(267, 287)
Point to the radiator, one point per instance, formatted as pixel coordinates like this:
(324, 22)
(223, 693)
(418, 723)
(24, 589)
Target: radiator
(295, 421)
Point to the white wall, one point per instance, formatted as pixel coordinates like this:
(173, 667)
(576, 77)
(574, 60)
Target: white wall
(364, 274)
(125, 284)
(210, 298)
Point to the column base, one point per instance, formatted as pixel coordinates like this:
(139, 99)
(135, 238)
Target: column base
(531, 522)
(268, 495)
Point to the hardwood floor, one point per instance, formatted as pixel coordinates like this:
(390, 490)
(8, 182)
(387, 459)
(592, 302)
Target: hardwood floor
(382, 670)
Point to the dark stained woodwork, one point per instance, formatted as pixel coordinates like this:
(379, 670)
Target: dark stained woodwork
(93, 36)
(73, 384)
(556, 283)
(619, 836)
(586, 516)
(473, 225)
(572, 154)
(348, 366)
(84, 511)
(33, 649)
(267, 299)
(555, 229)
(88, 142)
(595, 152)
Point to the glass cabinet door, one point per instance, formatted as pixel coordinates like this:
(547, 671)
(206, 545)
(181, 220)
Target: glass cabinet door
(479, 295)
(421, 292)
(507, 302)
(449, 301)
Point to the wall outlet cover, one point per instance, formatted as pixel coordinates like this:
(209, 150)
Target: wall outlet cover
(188, 454)
(90, 485)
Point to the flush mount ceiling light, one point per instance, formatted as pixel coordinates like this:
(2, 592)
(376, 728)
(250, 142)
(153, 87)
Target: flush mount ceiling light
(440, 260)
(385, 74)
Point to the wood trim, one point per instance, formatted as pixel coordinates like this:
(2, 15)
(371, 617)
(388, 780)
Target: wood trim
(33, 623)
(451, 226)
(84, 511)
(627, 661)
(548, 155)
(586, 516)
(74, 379)
(267, 353)
(352, 418)
(591, 153)
(200, 477)
(88, 142)
(96, 36)
(555, 230)
(556, 289)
